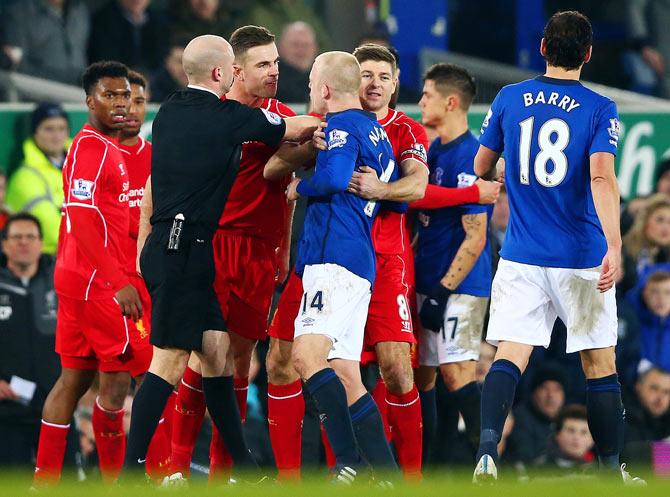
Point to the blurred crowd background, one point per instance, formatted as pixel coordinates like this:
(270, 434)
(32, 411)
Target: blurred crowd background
(54, 40)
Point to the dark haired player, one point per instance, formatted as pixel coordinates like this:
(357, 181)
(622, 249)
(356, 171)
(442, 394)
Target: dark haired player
(97, 304)
(251, 248)
(562, 251)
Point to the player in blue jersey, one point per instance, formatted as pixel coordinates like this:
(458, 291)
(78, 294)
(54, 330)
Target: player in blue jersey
(562, 250)
(453, 259)
(336, 261)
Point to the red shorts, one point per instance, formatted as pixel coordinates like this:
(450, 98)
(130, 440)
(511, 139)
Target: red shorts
(94, 334)
(244, 282)
(390, 311)
(283, 322)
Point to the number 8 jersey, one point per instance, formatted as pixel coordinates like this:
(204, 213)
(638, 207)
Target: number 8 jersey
(548, 129)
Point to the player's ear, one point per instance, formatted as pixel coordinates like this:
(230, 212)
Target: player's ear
(238, 72)
(543, 47)
(588, 55)
(89, 102)
(325, 92)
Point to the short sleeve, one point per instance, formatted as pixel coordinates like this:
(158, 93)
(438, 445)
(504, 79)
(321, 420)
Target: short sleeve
(413, 143)
(87, 171)
(491, 132)
(606, 131)
(249, 124)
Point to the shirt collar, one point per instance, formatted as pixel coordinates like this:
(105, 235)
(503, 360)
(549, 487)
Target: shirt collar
(202, 88)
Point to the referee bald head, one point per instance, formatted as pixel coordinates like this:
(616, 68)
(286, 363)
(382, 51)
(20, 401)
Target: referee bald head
(208, 62)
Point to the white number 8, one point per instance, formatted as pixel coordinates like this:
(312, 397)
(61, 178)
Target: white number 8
(403, 310)
(549, 151)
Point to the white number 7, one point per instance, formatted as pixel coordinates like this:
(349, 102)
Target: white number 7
(384, 178)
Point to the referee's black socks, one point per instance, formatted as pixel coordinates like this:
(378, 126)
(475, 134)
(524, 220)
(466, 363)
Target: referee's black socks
(148, 407)
(222, 404)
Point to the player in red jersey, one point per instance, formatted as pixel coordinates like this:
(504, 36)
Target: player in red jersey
(251, 248)
(137, 156)
(97, 304)
(389, 330)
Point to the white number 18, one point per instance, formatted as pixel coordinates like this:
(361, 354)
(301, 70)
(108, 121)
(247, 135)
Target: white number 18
(549, 151)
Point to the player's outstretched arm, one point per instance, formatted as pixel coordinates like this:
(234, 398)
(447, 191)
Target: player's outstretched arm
(287, 159)
(485, 163)
(300, 128)
(411, 186)
(146, 211)
(606, 199)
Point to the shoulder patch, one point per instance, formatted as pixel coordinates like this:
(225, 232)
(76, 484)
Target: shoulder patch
(485, 124)
(614, 131)
(82, 189)
(465, 180)
(337, 138)
(271, 117)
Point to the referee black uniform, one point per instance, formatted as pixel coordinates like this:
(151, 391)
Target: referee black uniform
(197, 142)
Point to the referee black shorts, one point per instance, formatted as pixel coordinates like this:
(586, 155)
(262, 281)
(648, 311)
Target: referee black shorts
(183, 301)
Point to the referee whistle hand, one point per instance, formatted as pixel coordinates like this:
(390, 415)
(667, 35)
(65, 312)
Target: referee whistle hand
(129, 302)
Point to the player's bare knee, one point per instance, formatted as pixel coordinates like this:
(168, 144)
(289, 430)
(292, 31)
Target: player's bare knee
(458, 374)
(397, 377)
(598, 363)
(279, 367)
(169, 364)
(113, 390)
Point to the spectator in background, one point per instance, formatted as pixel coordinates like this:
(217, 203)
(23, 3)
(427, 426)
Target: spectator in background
(199, 17)
(128, 31)
(534, 418)
(648, 240)
(628, 336)
(171, 77)
(297, 51)
(37, 185)
(570, 448)
(651, 300)
(649, 35)
(28, 309)
(647, 414)
(47, 38)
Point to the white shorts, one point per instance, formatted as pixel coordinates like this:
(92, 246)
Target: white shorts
(334, 303)
(461, 333)
(526, 300)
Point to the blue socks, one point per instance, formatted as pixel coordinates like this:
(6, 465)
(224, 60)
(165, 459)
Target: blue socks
(605, 415)
(369, 429)
(429, 416)
(328, 392)
(497, 399)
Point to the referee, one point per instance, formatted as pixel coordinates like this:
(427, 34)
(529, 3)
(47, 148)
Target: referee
(197, 141)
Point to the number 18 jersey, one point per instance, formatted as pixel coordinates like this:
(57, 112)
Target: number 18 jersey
(548, 129)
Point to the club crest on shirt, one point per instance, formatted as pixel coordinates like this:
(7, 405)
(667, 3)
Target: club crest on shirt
(465, 180)
(337, 138)
(271, 117)
(82, 189)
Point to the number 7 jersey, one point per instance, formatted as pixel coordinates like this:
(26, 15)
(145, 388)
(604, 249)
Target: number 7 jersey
(547, 129)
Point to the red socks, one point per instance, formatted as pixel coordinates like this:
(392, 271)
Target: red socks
(159, 453)
(379, 395)
(404, 414)
(286, 410)
(220, 460)
(50, 453)
(187, 417)
(110, 441)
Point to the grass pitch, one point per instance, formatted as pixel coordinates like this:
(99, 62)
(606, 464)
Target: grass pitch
(455, 485)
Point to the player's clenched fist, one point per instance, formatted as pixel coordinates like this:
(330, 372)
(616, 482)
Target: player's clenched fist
(129, 302)
(488, 191)
(291, 191)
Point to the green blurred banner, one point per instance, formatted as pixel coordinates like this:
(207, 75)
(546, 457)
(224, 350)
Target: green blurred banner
(645, 140)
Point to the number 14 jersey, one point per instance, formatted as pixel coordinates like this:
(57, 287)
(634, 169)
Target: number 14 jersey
(548, 129)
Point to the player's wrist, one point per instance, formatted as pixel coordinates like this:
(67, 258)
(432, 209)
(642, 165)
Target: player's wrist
(441, 291)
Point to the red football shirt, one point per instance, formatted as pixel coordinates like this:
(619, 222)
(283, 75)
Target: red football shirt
(256, 206)
(409, 141)
(92, 250)
(138, 164)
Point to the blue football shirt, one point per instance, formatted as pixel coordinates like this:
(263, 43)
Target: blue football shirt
(548, 128)
(337, 228)
(441, 230)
